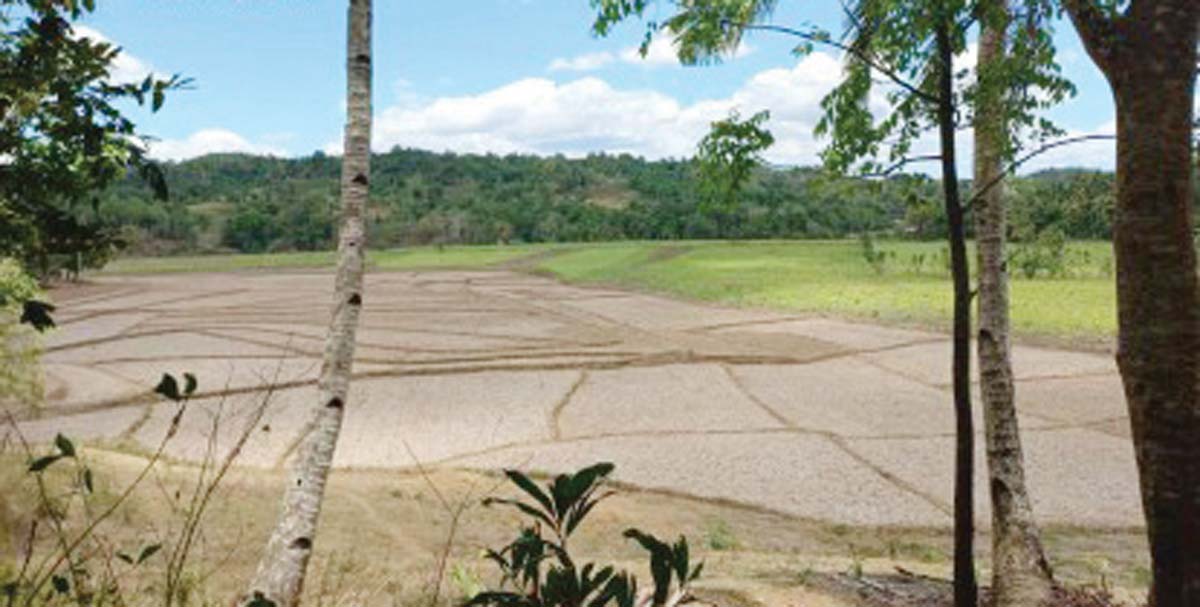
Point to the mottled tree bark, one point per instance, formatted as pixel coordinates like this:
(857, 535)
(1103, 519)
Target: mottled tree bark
(1148, 53)
(1020, 573)
(965, 586)
(280, 575)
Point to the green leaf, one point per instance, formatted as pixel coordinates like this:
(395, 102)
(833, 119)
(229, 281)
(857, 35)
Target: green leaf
(61, 585)
(65, 446)
(579, 514)
(189, 384)
(157, 100)
(571, 490)
(87, 480)
(531, 488)
(42, 463)
(679, 558)
(37, 314)
(660, 562)
(258, 600)
(522, 506)
(168, 388)
(148, 552)
(125, 557)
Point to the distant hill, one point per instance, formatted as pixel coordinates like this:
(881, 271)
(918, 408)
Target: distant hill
(255, 203)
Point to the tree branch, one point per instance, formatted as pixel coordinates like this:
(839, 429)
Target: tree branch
(860, 54)
(901, 164)
(1097, 30)
(1011, 168)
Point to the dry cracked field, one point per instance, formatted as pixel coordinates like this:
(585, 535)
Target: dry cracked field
(811, 417)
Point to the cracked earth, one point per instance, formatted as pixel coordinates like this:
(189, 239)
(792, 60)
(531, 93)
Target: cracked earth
(824, 419)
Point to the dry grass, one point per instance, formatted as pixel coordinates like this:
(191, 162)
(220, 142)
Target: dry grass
(383, 535)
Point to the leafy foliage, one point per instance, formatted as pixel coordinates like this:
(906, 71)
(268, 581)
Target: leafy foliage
(726, 159)
(253, 204)
(539, 570)
(62, 137)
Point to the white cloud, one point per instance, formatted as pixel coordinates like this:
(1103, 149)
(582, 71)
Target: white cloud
(663, 51)
(540, 116)
(582, 63)
(209, 141)
(125, 67)
(1098, 154)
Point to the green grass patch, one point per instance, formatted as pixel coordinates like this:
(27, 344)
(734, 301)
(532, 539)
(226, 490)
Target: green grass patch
(832, 277)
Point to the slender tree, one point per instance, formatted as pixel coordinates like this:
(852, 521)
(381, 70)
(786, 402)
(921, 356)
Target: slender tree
(913, 45)
(1147, 51)
(280, 576)
(1020, 573)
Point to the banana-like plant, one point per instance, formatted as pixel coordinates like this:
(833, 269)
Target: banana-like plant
(537, 569)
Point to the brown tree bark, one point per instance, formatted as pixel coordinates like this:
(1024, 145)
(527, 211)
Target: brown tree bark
(1020, 573)
(281, 571)
(1148, 53)
(965, 586)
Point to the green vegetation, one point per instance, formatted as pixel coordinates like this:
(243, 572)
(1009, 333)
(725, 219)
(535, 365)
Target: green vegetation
(64, 138)
(537, 567)
(832, 277)
(20, 344)
(908, 283)
(236, 203)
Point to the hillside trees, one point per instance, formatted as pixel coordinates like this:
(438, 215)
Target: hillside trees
(63, 136)
(1147, 50)
(279, 579)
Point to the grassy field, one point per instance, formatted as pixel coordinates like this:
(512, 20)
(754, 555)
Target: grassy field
(821, 277)
(832, 277)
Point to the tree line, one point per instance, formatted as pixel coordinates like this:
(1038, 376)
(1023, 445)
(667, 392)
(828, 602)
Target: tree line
(252, 204)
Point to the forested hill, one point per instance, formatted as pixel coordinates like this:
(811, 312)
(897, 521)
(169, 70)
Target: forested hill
(253, 203)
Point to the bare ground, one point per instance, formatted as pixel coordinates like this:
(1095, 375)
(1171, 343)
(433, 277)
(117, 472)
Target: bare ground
(838, 433)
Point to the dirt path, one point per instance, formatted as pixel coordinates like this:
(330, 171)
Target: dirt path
(836, 421)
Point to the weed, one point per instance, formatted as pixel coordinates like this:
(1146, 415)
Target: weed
(719, 536)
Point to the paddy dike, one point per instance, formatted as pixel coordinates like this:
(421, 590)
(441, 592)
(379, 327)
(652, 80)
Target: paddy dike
(818, 418)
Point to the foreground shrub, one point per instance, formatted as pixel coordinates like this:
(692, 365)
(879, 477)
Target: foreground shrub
(538, 569)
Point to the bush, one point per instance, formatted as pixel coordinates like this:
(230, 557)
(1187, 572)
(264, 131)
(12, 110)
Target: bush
(1047, 254)
(874, 257)
(20, 373)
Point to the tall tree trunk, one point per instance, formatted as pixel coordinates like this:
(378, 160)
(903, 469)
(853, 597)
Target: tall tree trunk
(1020, 574)
(280, 575)
(1149, 56)
(965, 586)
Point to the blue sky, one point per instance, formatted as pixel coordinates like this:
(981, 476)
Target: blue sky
(487, 76)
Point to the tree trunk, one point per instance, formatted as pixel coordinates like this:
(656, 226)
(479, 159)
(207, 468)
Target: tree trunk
(280, 575)
(1020, 574)
(965, 587)
(1149, 56)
